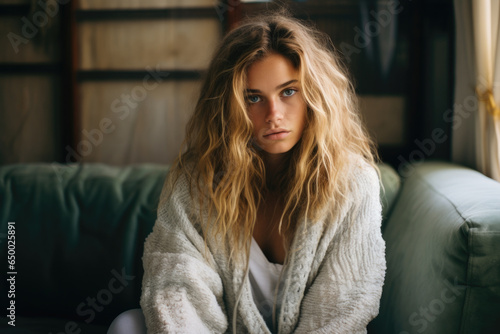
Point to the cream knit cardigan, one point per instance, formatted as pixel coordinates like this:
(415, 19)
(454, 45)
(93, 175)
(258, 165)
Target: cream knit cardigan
(332, 279)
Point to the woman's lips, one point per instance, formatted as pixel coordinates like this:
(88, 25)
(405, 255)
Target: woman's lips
(276, 134)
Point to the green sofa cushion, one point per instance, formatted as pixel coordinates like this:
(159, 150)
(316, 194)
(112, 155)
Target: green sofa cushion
(443, 254)
(80, 232)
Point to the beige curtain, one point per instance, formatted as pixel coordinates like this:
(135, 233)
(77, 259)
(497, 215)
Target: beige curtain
(476, 125)
(486, 34)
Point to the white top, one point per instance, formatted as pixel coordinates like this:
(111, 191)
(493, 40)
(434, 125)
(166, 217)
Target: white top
(264, 277)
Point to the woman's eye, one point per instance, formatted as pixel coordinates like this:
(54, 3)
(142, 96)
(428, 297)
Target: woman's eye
(253, 98)
(289, 92)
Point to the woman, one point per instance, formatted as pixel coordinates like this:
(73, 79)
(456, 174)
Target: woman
(270, 219)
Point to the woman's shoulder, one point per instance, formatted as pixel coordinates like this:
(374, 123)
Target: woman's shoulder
(364, 176)
(361, 167)
(360, 184)
(177, 191)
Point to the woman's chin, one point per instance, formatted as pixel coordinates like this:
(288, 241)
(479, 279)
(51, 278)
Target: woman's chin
(272, 149)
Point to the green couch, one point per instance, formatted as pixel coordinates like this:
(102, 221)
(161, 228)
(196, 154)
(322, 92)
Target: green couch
(79, 232)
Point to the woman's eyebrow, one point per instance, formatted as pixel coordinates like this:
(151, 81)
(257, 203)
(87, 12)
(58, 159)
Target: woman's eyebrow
(277, 87)
(286, 83)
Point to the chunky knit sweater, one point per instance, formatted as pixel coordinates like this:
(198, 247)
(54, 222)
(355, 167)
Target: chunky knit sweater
(332, 280)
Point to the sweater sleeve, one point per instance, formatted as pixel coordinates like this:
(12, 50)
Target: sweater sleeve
(345, 295)
(181, 289)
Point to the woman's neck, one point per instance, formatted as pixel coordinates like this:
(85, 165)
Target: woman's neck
(275, 165)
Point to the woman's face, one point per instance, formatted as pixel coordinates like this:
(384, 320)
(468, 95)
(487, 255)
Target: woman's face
(275, 104)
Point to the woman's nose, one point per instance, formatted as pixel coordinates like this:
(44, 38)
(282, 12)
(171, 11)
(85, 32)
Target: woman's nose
(274, 111)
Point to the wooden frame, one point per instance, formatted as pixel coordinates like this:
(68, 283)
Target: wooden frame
(73, 75)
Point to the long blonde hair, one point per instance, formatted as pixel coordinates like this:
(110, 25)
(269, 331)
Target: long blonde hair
(220, 159)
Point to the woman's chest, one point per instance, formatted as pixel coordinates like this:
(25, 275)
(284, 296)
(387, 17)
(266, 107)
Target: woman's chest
(266, 231)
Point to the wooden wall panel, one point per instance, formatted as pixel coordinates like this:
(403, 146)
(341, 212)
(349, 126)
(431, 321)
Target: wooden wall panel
(123, 125)
(171, 44)
(36, 47)
(29, 118)
(384, 116)
(122, 4)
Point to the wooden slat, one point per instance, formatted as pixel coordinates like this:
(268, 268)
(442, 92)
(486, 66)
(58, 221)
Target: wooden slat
(110, 75)
(70, 104)
(14, 10)
(29, 68)
(145, 14)
(301, 10)
(232, 12)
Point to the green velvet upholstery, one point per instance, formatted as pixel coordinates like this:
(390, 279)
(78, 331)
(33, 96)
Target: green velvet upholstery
(389, 190)
(79, 237)
(443, 254)
(80, 231)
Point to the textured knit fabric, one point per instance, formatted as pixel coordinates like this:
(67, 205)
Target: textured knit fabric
(264, 277)
(333, 275)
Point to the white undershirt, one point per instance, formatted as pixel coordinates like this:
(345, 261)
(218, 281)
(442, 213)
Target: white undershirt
(264, 277)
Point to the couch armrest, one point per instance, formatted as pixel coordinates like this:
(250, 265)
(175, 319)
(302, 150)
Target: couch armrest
(443, 254)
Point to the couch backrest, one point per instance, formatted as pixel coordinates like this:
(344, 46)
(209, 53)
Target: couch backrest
(79, 233)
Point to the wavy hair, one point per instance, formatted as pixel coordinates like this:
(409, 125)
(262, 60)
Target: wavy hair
(219, 157)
